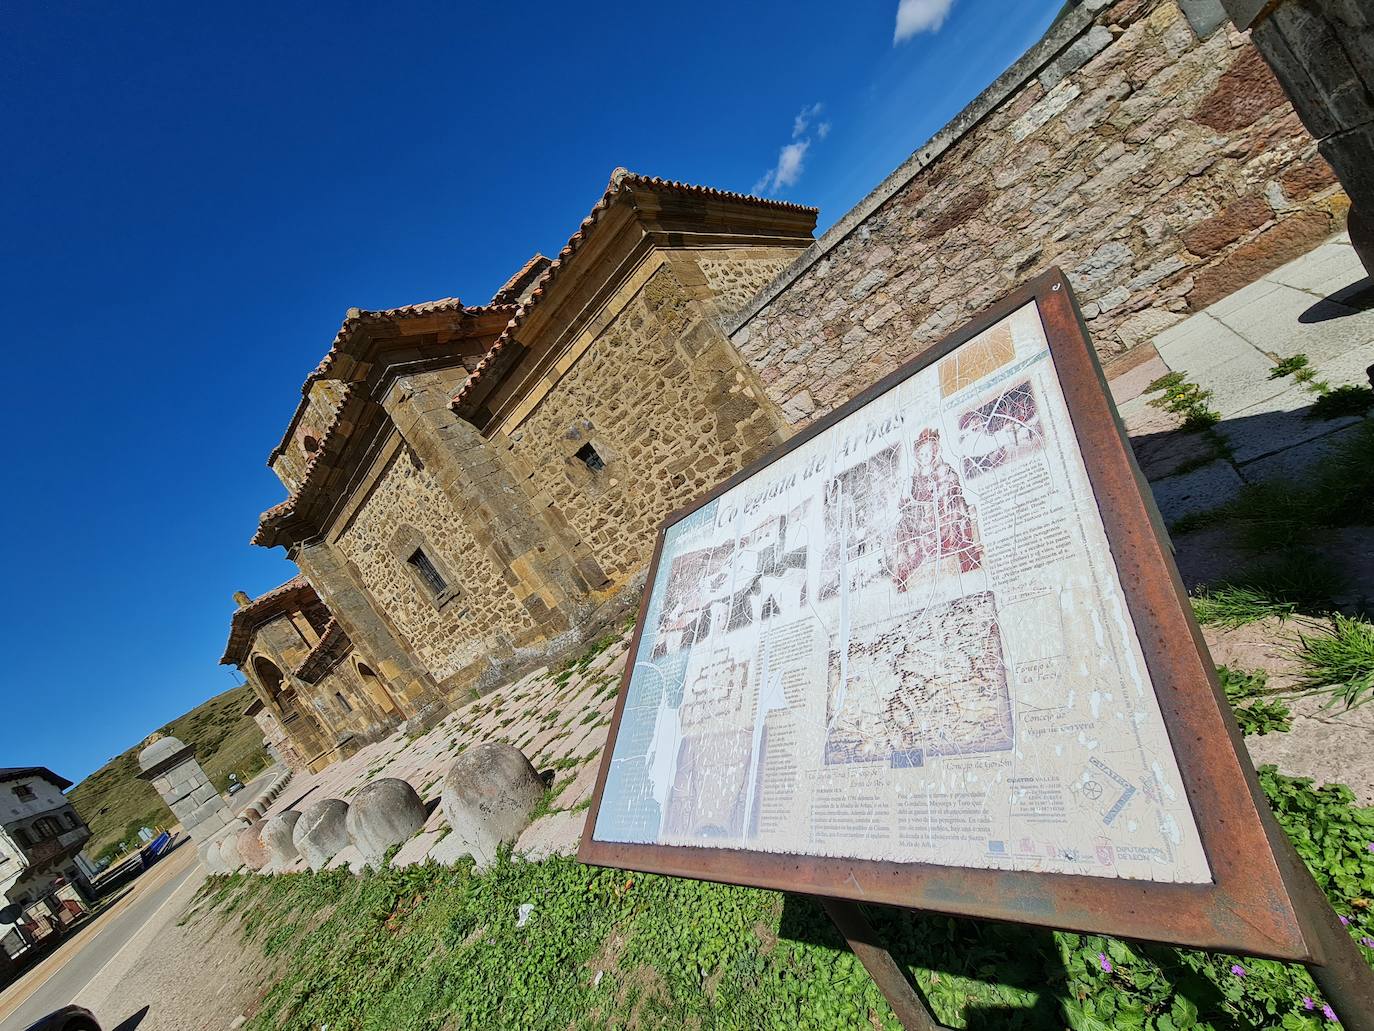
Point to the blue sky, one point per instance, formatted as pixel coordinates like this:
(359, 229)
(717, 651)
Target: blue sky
(190, 200)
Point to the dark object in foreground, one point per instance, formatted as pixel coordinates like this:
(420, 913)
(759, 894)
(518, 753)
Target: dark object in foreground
(68, 1018)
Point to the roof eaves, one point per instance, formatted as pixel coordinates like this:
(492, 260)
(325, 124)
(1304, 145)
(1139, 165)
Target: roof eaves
(621, 180)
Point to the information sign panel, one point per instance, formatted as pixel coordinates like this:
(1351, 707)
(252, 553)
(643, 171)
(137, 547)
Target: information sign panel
(934, 652)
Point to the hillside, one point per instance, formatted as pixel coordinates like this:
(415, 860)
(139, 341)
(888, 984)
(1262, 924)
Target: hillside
(116, 803)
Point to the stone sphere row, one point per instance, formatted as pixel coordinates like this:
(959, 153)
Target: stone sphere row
(488, 795)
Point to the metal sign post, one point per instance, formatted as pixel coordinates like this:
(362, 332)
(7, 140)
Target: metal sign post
(933, 652)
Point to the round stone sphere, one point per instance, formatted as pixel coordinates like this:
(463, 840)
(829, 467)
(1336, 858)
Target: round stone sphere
(210, 857)
(384, 813)
(278, 838)
(321, 833)
(251, 847)
(488, 795)
(229, 853)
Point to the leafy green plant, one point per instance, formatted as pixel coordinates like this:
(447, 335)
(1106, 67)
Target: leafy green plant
(1339, 660)
(1184, 398)
(1246, 690)
(1288, 366)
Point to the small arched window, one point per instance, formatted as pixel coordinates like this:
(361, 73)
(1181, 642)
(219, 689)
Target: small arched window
(310, 444)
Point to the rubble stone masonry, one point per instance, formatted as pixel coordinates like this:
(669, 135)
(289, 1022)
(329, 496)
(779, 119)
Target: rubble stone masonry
(479, 620)
(664, 402)
(1160, 170)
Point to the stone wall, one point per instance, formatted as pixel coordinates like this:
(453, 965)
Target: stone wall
(358, 715)
(1160, 170)
(306, 431)
(665, 403)
(480, 621)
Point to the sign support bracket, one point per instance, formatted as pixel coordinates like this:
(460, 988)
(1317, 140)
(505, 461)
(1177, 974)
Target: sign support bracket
(908, 1006)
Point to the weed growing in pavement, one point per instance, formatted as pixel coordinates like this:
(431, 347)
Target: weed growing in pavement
(1289, 366)
(1339, 660)
(1256, 711)
(429, 948)
(1183, 398)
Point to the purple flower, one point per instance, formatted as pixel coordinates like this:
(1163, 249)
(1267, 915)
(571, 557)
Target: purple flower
(1367, 942)
(1307, 1003)
(1104, 962)
(1370, 846)
(1345, 922)
(1330, 1014)
(1237, 969)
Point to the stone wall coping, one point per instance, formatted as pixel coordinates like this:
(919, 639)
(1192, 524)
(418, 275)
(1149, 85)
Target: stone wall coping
(1059, 36)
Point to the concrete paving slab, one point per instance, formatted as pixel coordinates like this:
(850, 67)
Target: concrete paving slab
(1295, 462)
(1275, 324)
(1317, 271)
(1239, 300)
(1131, 385)
(1200, 343)
(1275, 425)
(1214, 484)
(1238, 384)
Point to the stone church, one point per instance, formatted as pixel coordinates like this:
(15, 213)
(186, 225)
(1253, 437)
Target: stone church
(473, 490)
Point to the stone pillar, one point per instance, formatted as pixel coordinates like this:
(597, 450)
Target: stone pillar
(414, 690)
(172, 769)
(1322, 51)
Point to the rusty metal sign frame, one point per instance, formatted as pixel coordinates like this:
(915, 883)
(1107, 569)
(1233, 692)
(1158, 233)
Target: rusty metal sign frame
(1262, 900)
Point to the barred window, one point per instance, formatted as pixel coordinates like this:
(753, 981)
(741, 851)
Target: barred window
(428, 572)
(587, 455)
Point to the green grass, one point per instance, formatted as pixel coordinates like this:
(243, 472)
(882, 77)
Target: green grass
(1339, 660)
(115, 803)
(432, 949)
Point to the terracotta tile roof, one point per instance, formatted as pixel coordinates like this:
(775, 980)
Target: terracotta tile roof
(248, 617)
(284, 509)
(355, 319)
(621, 180)
(510, 291)
(332, 646)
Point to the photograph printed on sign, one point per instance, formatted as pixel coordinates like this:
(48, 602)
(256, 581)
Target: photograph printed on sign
(906, 640)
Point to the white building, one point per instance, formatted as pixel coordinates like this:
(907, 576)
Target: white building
(40, 837)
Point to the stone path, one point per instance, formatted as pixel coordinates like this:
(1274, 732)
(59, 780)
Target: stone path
(1320, 305)
(558, 718)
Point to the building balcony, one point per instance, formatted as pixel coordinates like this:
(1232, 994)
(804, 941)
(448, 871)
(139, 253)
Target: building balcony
(51, 850)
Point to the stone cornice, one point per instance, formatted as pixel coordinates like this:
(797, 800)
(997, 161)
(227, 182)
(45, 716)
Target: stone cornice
(635, 212)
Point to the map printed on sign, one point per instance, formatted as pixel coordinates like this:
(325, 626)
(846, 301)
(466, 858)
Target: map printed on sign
(906, 640)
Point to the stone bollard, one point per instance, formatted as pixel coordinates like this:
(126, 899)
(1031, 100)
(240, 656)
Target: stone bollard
(384, 813)
(321, 833)
(229, 853)
(250, 846)
(171, 767)
(488, 794)
(277, 838)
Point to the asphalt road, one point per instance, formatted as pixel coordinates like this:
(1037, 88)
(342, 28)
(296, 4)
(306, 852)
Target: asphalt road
(83, 958)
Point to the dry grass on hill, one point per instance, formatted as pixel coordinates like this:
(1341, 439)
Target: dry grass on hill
(116, 803)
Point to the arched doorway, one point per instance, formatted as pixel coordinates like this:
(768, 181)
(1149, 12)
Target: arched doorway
(376, 690)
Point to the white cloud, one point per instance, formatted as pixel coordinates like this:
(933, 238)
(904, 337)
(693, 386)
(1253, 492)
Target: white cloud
(917, 16)
(803, 119)
(792, 156)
